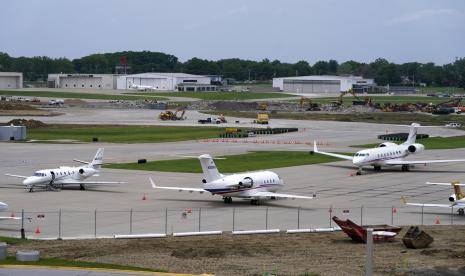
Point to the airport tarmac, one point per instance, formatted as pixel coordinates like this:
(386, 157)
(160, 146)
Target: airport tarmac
(106, 211)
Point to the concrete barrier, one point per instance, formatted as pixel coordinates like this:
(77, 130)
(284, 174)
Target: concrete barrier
(140, 236)
(251, 232)
(295, 231)
(27, 256)
(202, 233)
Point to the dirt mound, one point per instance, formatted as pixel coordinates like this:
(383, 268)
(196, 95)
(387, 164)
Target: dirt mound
(230, 105)
(27, 123)
(75, 102)
(12, 106)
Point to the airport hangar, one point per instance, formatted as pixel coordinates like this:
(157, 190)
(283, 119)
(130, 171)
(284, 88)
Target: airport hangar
(11, 80)
(92, 81)
(322, 84)
(167, 81)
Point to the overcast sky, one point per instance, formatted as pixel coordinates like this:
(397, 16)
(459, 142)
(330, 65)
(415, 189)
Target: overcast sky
(288, 30)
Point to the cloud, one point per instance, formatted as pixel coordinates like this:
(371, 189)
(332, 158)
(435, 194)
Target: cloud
(418, 15)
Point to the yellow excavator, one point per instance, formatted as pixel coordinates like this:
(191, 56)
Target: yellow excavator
(173, 116)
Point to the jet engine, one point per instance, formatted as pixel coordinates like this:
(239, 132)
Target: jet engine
(387, 144)
(247, 182)
(452, 198)
(86, 171)
(416, 148)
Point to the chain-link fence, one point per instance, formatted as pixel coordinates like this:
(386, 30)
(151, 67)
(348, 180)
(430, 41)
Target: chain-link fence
(105, 223)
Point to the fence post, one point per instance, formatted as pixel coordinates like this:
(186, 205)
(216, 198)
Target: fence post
(233, 218)
(59, 224)
(392, 215)
(422, 206)
(266, 218)
(166, 221)
(330, 216)
(298, 218)
(369, 264)
(452, 215)
(95, 222)
(200, 216)
(23, 234)
(130, 222)
(361, 215)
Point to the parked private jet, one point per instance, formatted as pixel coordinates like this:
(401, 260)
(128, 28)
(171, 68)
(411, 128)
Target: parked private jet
(4, 206)
(139, 87)
(53, 179)
(388, 154)
(457, 199)
(254, 186)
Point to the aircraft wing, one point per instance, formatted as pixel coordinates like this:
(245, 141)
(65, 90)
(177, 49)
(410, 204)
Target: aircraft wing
(445, 184)
(342, 156)
(179, 189)
(15, 175)
(10, 218)
(430, 205)
(271, 194)
(80, 161)
(419, 162)
(90, 182)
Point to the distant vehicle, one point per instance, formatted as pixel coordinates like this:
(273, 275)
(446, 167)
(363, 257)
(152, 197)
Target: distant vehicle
(56, 102)
(246, 89)
(262, 118)
(140, 87)
(389, 154)
(211, 120)
(457, 199)
(54, 179)
(253, 186)
(453, 125)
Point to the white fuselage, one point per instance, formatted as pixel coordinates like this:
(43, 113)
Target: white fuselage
(3, 206)
(141, 87)
(379, 156)
(59, 175)
(245, 184)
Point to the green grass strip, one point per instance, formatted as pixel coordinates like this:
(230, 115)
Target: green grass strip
(77, 95)
(219, 96)
(251, 161)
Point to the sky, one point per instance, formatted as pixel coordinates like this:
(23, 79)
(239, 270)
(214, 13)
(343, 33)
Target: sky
(287, 30)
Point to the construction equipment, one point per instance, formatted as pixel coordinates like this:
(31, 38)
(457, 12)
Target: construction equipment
(416, 238)
(173, 116)
(262, 118)
(308, 105)
(453, 105)
(262, 106)
(358, 233)
(339, 101)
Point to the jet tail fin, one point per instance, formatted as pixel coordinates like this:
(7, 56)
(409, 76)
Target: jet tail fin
(412, 135)
(98, 159)
(458, 193)
(209, 169)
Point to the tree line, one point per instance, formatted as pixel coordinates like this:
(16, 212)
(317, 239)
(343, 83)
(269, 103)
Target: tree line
(383, 71)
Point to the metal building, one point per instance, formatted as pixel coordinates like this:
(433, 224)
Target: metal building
(11, 80)
(12, 133)
(80, 81)
(167, 82)
(319, 84)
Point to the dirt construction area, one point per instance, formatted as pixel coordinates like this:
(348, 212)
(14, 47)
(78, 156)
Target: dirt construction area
(276, 254)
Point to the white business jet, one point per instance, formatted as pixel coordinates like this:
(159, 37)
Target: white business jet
(4, 206)
(139, 87)
(388, 154)
(457, 199)
(54, 179)
(254, 186)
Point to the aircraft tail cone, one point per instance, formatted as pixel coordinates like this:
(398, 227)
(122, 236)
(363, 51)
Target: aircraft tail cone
(37, 232)
(437, 221)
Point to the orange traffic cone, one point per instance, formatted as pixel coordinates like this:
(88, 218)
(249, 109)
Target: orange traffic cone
(394, 210)
(37, 230)
(189, 210)
(144, 197)
(438, 221)
(12, 214)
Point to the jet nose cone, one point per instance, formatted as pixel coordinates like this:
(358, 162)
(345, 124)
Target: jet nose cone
(28, 181)
(3, 205)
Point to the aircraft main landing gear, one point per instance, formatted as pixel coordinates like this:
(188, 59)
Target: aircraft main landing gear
(461, 212)
(255, 202)
(405, 168)
(377, 168)
(82, 187)
(227, 199)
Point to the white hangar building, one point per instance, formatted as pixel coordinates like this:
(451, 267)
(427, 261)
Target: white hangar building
(167, 81)
(87, 81)
(320, 84)
(11, 80)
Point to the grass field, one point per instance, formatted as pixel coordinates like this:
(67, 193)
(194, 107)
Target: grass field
(123, 134)
(79, 264)
(454, 142)
(257, 160)
(77, 95)
(219, 96)
(373, 117)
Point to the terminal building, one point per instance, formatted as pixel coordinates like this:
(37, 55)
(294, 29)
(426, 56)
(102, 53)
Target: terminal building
(167, 82)
(322, 84)
(11, 80)
(87, 81)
